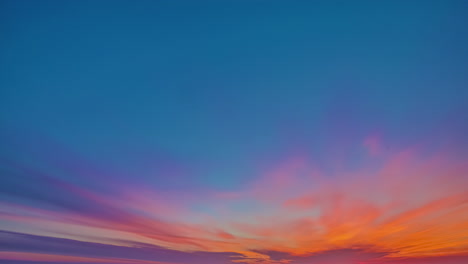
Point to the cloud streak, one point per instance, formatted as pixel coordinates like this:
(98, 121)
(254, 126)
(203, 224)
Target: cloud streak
(395, 205)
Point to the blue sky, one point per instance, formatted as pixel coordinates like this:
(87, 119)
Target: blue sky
(220, 80)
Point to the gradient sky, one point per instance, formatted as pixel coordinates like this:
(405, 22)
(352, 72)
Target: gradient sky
(234, 131)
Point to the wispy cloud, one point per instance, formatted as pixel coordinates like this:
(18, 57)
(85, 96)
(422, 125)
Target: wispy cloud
(404, 204)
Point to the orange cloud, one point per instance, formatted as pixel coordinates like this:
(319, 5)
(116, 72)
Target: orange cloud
(406, 205)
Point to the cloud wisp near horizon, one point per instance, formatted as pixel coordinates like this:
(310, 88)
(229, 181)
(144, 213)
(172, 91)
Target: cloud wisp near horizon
(396, 206)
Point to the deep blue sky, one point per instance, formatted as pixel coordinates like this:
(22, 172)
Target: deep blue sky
(216, 87)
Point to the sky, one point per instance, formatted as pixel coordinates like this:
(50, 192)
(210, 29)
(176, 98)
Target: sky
(234, 131)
